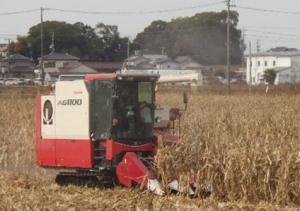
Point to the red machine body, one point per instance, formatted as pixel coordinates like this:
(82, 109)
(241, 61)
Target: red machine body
(91, 152)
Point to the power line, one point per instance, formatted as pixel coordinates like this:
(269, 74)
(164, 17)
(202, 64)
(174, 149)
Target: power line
(275, 33)
(273, 39)
(268, 10)
(134, 12)
(114, 12)
(269, 36)
(19, 12)
(271, 27)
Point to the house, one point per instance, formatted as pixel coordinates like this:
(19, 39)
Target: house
(285, 63)
(3, 50)
(18, 66)
(138, 62)
(181, 70)
(62, 63)
(58, 60)
(172, 76)
(159, 61)
(187, 63)
(150, 61)
(104, 67)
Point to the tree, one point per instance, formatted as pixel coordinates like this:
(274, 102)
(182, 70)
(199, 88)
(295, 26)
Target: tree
(11, 48)
(269, 76)
(153, 38)
(100, 43)
(114, 47)
(22, 46)
(202, 37)
(91, 47)
(67, 36)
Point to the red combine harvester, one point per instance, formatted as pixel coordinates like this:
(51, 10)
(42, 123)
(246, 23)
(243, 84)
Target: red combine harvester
(104, 125)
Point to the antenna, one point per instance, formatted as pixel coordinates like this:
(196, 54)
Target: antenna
(52, 46)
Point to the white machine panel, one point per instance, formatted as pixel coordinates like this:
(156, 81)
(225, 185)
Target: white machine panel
(72, 110)
(163, 113)
(48, 116)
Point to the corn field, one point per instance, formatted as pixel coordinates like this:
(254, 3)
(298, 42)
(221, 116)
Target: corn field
(244, 149)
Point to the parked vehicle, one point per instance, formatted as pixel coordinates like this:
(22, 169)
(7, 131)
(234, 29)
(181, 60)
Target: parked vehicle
(2, 82)
(28, 81)
(11, 82)
(37, 81)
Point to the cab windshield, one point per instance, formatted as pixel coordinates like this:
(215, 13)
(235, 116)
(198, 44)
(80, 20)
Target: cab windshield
(133, 111)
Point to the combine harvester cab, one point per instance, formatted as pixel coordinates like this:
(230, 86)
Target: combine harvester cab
(102, 125)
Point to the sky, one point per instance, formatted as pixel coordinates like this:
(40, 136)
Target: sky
(269, 29)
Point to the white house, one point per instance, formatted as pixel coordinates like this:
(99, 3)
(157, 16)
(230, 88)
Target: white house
(57, 60)
(62, 63)
(285, 63)
(192, 77)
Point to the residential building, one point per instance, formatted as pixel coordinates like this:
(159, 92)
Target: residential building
(172, 76)
(183, 69)
(187, 63)
(104, 67)
(3, 50)
(18, 66)
(58, 60)
(62, 63)
(158, 61)
(285, 63)
(139, 62)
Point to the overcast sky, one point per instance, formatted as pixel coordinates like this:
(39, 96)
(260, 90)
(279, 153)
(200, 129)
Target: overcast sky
(272, 29)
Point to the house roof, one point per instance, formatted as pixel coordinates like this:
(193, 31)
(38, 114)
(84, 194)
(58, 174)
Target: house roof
(276, 54)
(55, 56)
(187, 62)
(80, 68)
(183, 59)
(103, 66)
(76, 68)
(162, 60)
(22, 69)
(17, 57)
(133, 58)
(151, 57)
(155, 56)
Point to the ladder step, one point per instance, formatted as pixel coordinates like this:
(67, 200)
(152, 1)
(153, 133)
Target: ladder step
(99, 157)
(99, 149)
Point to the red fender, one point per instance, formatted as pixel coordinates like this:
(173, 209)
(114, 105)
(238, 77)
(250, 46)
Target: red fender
(132, 169)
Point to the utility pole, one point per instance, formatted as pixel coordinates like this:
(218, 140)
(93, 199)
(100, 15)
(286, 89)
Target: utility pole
(8, 54)
(128, 47)
(257, 46)
(243, 46)
(42, 47)
(250, 68)
(228, 46)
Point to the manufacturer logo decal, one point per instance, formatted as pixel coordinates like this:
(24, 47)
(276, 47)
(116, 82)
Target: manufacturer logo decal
(70, 102)
(47, 113)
